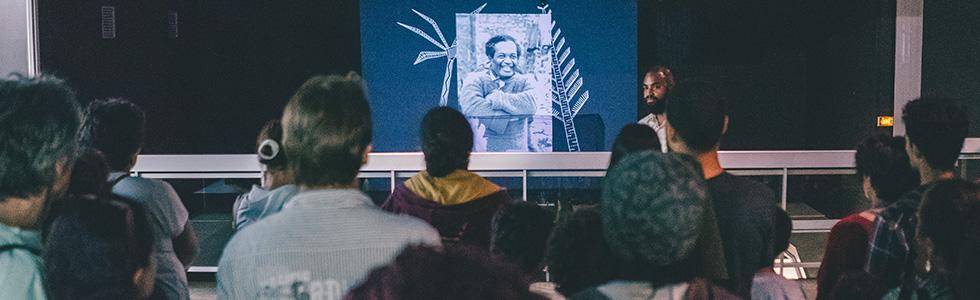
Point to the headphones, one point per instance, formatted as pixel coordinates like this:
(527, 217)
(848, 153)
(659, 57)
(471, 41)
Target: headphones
(268, 151)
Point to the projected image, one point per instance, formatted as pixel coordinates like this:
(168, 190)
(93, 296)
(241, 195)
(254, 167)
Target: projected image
(504, 80)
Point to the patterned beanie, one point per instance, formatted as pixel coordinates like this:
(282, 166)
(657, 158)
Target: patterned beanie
(652, 204)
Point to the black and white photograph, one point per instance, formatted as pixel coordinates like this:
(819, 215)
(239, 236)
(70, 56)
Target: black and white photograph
(505, 80)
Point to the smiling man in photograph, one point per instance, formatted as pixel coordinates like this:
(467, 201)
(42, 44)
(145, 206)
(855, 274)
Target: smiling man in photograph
(500, 97)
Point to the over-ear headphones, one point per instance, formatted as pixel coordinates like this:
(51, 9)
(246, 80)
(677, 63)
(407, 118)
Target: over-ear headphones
(268, 151)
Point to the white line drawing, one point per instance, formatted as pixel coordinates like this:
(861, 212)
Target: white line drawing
(566, 83)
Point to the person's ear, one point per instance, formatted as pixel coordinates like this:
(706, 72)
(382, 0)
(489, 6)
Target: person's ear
(367, 150)
(724, 128)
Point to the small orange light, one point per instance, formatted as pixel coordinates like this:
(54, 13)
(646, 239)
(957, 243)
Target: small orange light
(886, 121)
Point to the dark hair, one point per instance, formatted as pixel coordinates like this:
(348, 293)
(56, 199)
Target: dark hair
(40, 121)
(488, 47)
(115, 127)
(884, 161)
(577, 255)
(327, 129)
(95, 248)
(782, 229)
(519, 232)
(633, 138)
(269, 146)
(447, 140)
(944, 219)
(696, 111)
(89, 174)
(937, 127)
(457, 273)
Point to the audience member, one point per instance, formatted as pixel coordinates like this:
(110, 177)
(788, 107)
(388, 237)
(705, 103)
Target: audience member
(40, 121)
(330, 235)
(935, 129)
(117, 128)
(89, 173)
(767, 284)
(577, 254)
(947, 219)
(657, 82)
(633, 138)
(697, 119)
(520, 233)
(856, 284)
(455, 201)
(652, 206)
(100, 248)
(886, 174)
(277, 181)
(456, 273)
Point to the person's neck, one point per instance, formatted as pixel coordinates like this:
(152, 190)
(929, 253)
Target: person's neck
(928, 175)
(19, 212)
(710, 164)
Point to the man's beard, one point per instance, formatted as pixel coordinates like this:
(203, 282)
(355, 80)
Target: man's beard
(657, 107)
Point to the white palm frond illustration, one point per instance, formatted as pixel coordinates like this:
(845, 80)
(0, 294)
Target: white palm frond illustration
(566, 84)
(446, 50)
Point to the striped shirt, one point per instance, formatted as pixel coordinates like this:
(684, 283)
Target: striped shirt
(319, 246)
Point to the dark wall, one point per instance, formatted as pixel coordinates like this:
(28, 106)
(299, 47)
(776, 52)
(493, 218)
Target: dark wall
(950, 48)
(801, 74)
(233, 65)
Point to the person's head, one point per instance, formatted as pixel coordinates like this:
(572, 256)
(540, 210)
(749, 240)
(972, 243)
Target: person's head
(657, 82)
(327, 131)
(88, 176)
(447, 140)
(519, 232)
(946, 219)
(38, 140)
(935, 129)
(272, 156)
(633, 138)
(883, 166)
(504, 52)
(456, 273)
(100, 249)
(696, 118)
(782, 228)
(652, 205)
(577, 255)
(116, 128)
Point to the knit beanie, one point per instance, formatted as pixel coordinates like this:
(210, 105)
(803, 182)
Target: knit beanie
(652, 204)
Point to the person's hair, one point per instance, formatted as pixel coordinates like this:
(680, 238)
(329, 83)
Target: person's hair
(577, 255)
(696, 111)
(95, 248)
(327, 129)
(782, 229)
(456, 273)
(944, 220)
(633, 138)
(964, 280)
(488, 48)
(519, 233)
(883, 160)
(937, 127)
(447, 140)
(39, 119)
(88, 176)
(662, 74)
(269, 147)
(115, 127)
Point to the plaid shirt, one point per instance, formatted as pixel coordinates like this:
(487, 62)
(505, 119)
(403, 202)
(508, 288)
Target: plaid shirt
(890, 245)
